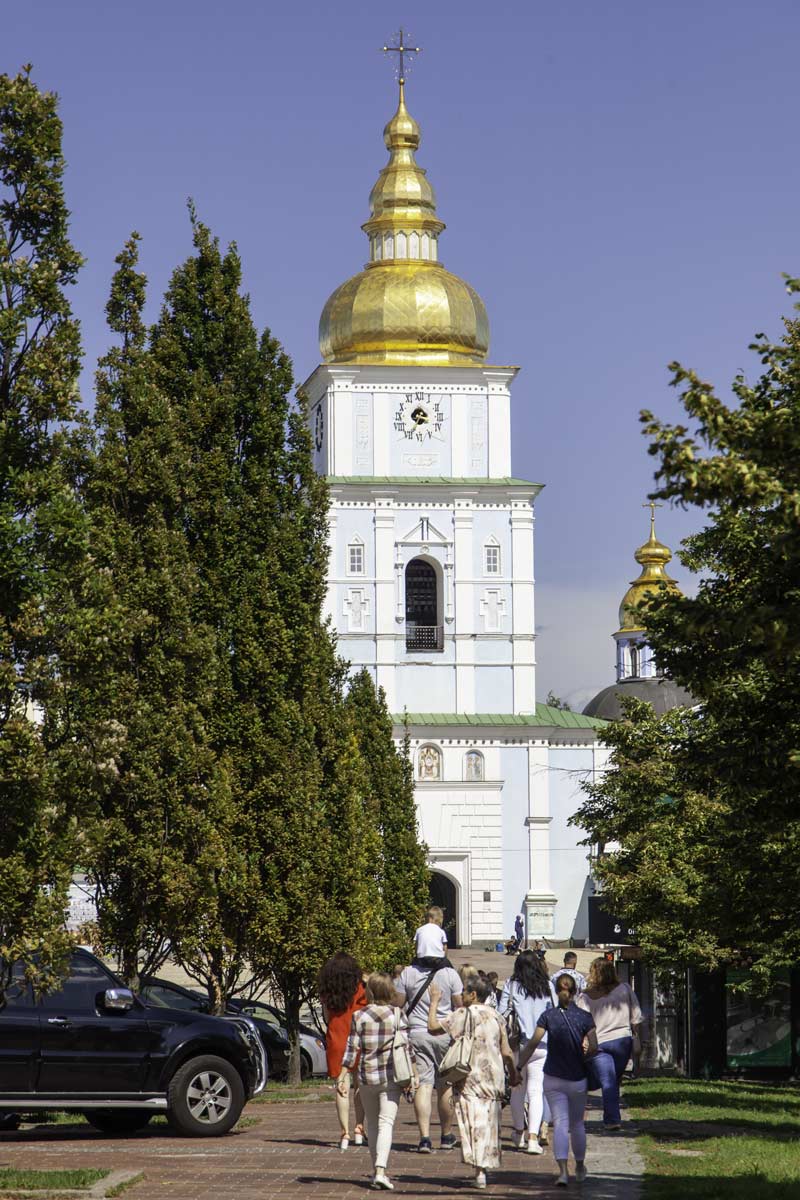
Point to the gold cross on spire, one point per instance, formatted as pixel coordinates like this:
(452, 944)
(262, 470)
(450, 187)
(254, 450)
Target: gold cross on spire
(652, 505)
(401, 50)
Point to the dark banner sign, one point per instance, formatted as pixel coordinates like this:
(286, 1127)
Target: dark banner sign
(606, 929)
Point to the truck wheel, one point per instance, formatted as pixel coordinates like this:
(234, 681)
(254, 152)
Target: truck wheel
(117, 1120)
(205, 1097)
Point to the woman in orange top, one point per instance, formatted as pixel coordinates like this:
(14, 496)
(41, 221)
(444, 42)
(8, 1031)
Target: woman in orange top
(341, 990)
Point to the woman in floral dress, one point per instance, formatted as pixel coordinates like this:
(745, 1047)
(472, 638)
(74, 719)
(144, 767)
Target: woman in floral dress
(478, 1100)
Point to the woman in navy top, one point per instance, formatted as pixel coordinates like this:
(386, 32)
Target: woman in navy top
(565, 1074)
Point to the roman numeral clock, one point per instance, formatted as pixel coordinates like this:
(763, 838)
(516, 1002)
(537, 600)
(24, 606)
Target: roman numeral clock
(419, 418)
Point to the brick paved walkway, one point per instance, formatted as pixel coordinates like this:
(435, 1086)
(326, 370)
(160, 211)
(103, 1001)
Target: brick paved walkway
(292, 1153)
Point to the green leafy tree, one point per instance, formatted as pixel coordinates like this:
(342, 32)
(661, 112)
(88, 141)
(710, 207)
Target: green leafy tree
(227, 391)
(405, 876)
(142, 684)
(293, 872)
(42, 532)
(660, 840)
(736, 647)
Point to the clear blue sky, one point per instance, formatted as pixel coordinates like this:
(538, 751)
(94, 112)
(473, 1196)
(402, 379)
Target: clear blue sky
(620, 182)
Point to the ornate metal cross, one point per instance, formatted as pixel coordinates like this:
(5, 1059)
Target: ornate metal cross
(652, 505)
(401, 50)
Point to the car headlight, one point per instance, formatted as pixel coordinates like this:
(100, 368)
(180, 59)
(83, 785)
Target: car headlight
(319, 1044)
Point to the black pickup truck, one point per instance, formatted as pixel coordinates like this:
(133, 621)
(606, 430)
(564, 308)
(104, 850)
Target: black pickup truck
(95, 1048)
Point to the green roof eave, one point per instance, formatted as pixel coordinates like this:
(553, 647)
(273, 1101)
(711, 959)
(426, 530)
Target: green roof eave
(442, 481)
(545, 717)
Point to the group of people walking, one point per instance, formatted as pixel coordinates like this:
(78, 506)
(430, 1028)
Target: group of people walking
(544, 1045)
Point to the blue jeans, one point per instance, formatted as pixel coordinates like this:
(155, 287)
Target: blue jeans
(605, 1072)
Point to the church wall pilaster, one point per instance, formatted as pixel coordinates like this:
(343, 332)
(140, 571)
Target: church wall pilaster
(522, 606)
(386, 647)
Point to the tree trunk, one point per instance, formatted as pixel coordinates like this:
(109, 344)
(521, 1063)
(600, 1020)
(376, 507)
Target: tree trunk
(291, 1000)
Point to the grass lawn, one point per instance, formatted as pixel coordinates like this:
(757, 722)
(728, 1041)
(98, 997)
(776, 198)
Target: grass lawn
(48, 1181)
(721, 1140)
(281, 1093)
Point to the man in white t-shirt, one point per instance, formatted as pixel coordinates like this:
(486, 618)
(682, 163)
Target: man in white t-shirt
(429, 1048)
(571, 968)
(430, 940)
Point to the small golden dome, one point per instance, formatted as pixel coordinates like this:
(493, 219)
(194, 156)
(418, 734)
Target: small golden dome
(404, 307)
(653, 557)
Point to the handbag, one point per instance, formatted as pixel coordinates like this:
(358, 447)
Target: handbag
(402, 1066)
(513, 1029)
(457, 1062)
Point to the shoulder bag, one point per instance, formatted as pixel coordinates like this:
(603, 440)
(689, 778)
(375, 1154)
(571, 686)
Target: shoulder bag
(457, 1062)
(402, 1066)
(513, 1030)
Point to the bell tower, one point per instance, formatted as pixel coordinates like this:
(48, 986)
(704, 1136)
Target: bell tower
(431, 574)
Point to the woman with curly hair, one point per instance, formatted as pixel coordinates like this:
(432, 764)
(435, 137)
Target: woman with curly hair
(529, 993)
(341, 989)
(617, 1017)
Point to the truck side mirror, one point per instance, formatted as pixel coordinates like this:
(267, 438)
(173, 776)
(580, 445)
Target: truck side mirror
(118, 999)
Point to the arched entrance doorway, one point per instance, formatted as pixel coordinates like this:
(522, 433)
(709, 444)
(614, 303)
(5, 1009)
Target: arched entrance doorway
(443, 893)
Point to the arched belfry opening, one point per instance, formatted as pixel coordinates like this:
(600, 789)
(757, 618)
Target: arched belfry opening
(423, 606)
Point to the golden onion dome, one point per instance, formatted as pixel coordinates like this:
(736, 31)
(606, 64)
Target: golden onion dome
(653, 557)
(404, 307)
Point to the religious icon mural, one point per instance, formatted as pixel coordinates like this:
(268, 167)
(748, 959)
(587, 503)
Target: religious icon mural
(473, 766)
(429, 764)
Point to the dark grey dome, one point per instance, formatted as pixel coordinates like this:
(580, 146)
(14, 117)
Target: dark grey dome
(661, 692)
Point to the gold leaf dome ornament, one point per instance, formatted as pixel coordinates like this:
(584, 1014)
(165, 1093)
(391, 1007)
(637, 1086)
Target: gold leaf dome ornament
(653, 557)
(404, 307)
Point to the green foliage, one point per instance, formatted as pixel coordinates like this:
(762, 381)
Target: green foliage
(42, 532)
(227, 393)
(555, 701)
(390, 781)
(659, 839)
(734, 769)
(140, 658)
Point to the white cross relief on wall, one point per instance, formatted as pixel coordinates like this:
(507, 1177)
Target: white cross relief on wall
(492, 609)
(356, 607)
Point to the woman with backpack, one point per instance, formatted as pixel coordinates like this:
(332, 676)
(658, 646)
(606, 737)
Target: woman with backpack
(567, 1029)
(526, 995)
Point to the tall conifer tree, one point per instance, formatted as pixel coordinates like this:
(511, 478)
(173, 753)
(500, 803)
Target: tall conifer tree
(143, 686)
(405, 877)
(42, 532)
(254, 512)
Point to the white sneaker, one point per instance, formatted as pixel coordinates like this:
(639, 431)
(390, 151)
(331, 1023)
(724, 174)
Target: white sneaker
(561, 1180)
(358, 1139)
(580, 1172)
(480, 1180)
(344, 1143)
(518, 1138)
(382, 1183)
(533, 1146)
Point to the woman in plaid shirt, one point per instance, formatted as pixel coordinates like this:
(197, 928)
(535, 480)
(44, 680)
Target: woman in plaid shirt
(370, 1046)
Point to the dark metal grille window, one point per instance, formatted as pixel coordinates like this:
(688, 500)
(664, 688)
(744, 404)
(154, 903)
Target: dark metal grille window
(423, 632)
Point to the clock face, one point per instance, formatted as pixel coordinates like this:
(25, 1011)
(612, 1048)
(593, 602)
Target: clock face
(419, 417)
(319, 427)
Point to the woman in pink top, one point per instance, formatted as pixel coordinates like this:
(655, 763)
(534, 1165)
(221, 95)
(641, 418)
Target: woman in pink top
(617, 1017)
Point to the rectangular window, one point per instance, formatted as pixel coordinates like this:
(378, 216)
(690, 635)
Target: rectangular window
(355, 561)
(492, 560)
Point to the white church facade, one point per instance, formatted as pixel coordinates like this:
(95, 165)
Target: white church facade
(431, 575)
